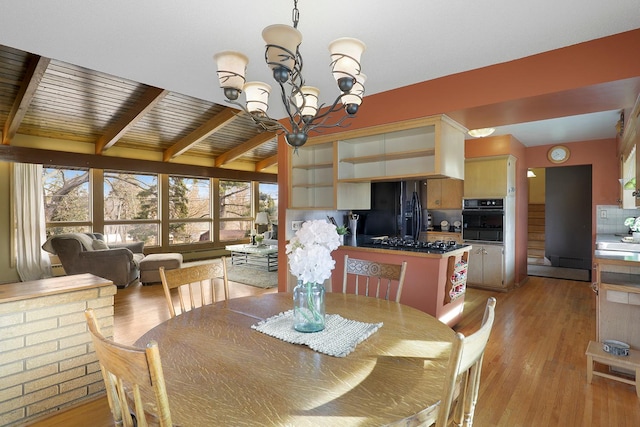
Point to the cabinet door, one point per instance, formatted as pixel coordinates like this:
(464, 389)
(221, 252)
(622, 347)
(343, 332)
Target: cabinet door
(451, 193)
(493, 266)
(434, 193)
(485, 178)
(474, 271)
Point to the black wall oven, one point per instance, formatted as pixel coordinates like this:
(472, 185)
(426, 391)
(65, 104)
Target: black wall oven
(483, 220)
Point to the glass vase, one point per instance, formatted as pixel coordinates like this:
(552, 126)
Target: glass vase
(308, 307)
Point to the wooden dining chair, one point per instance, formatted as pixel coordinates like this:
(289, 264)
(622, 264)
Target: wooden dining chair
(465, 364)
(131, 370)
(195, 284)
(376, 275)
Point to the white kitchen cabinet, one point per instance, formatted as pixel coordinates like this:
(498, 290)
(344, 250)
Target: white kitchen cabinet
(313, 184)
(490, 177)
(433, 146)
(486, 266)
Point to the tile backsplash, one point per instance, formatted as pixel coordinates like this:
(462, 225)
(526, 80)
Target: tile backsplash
(612, 220)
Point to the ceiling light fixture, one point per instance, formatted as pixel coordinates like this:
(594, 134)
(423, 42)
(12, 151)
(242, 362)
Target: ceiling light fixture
(282, 55)
(481, 133)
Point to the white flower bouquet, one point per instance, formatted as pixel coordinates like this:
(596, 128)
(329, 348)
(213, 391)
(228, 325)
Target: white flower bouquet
(310, 261)
(309, 251)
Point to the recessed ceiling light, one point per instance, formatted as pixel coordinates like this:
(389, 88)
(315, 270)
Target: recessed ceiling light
(481, 133)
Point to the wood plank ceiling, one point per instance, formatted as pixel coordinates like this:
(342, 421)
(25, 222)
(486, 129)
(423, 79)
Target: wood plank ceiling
(48, 98)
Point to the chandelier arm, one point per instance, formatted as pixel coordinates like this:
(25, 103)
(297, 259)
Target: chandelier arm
(266, 122)
(322, 125)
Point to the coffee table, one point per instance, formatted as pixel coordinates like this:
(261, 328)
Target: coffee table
(260, 256)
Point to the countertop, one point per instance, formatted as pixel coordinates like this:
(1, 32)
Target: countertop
(626, 252)
(351, 243)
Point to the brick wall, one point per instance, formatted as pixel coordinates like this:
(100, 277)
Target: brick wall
(46, 356)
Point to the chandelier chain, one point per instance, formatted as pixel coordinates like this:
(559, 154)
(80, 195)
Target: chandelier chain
(295, 14)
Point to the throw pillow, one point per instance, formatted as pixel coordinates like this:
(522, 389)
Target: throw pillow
(99, 244)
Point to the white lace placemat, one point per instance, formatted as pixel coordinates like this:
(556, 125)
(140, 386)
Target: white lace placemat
(339, 337)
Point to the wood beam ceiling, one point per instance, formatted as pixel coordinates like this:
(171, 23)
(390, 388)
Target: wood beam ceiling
(249, 145)
(116, 130)
(35, 71)
(208, 128)
(269, 161)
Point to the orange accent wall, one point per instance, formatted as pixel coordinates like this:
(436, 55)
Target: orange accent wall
(603, 158)
(590, 63)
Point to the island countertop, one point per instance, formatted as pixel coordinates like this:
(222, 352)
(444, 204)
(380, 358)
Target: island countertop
(358, 244)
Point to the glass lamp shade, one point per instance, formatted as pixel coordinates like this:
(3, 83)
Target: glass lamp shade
(345, 57)
(310, 105)
(257, 95)
(355, 95)
(481, 133)
(232, 67)
(282, 44)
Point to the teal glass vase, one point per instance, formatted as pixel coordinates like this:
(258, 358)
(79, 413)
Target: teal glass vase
(308, 307)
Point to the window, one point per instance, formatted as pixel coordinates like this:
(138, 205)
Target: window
(268, 200)
(189, 210)
(131, 208)
(67, 200)
(236, 217)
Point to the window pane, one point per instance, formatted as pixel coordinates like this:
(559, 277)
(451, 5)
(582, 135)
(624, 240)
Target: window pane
(268, 200)
(235, 199)
(234, 230)
(130, 196)
(54, 230)
(188, 232)
(189, 198)
(66, 195)
(126, 233)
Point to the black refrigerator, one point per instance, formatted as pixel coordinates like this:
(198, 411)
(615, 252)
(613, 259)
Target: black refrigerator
(396, 210)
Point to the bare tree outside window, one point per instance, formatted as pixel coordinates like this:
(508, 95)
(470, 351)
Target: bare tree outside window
(67, 200)
(235, 210)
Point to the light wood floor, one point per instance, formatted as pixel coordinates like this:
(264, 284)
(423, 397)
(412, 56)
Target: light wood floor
(534, 371)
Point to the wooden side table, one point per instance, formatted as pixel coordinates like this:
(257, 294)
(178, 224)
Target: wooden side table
(595, 353)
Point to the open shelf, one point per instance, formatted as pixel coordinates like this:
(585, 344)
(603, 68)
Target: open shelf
(390, 156)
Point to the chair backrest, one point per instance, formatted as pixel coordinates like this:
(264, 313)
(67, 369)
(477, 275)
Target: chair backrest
(376, 275)
(465, 364)
(196, 284)
(131, 370)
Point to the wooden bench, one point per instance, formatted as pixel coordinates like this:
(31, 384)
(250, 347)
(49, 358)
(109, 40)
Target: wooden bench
(595, 353)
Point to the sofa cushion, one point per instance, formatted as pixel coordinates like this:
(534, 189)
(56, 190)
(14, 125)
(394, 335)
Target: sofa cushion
(99, 244)
(85, 241)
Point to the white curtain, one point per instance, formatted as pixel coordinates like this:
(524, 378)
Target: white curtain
(28, 200)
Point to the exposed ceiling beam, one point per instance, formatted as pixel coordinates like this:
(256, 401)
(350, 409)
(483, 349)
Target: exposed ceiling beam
(35, 70)
(211, 126)
(249, 145)
(113, 133)
(269, 161)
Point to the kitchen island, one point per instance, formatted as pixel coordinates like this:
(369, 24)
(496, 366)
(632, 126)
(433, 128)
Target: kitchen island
(427, 285)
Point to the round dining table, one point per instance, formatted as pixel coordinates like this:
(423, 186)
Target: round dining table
(221, 372)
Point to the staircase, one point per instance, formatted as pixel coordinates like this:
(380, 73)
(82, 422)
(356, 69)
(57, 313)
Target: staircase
(535, 248)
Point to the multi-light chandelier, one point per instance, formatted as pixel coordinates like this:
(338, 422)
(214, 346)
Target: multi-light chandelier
(282, 55)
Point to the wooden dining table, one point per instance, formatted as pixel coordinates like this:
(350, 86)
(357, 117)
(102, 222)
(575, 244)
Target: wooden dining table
(220, 371)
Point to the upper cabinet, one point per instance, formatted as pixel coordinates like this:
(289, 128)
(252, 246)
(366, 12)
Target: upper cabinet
(431, 147)
(313, 184)
(490, 177)
(444, 193)
(335, 171)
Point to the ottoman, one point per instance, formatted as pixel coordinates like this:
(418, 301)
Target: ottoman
(151, 263)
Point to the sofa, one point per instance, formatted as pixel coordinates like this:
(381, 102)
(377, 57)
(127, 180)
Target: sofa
(271, 237)
(89, 253)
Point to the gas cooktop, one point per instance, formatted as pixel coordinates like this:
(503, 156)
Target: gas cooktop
(396, 243)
